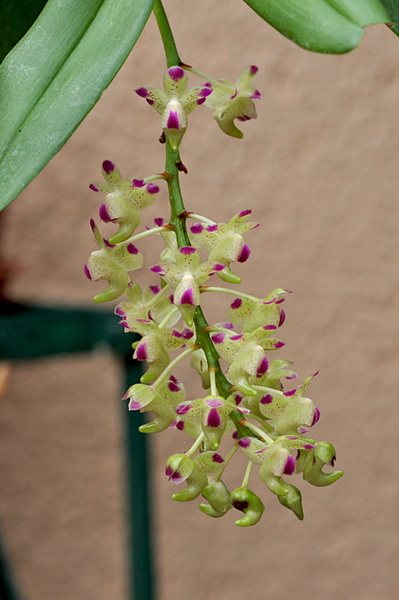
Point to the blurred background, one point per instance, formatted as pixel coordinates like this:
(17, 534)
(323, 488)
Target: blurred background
(319, 170)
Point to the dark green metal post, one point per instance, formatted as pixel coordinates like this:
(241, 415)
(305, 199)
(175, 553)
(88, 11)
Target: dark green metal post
(140, 554)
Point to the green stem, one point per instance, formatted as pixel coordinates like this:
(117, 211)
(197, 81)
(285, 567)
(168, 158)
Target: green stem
(177, 219)
(172, 55)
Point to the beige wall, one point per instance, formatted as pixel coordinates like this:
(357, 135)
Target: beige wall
(319, 169)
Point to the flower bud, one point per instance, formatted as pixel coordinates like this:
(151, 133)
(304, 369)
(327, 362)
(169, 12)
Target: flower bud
(218, 497)
(292, 500)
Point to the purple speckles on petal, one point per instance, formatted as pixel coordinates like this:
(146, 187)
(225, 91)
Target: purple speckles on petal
(131, 248)
(217, 458)
(182, 409)
(244, 254)
(197, 228)
(236, 304)
(218, 338)
(134, 405)
(267, 399)
(142, 92)
(213, 418)
(87, 272)
(104, 214)
(214, 402)
(93, 187)
(108, 166)
(212, 228)
(289, 465)
(262, 368)
(141, 352)
(282, 317)
(244, 442)
(187, 250)
(152, 188)
(173, 120)
(188, 297)
(316, 416)
(253, 70)
(176, 73)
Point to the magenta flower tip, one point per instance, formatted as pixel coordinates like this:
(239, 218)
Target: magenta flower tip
(142, 92)
(268, 399)
(236, 304)
(87, 272)
(197, 228)
(289, 465)
(253, 70)
(138, 183)
(217, 458)
(131, 248)
(188, 297)
(108, 166)
(176, 73)
(173, 120)
(141, 352)
(104, 214)
(244, 442)
(187, 250)
(244, 254)
(152, 188)
(213, 419)
(218, 338)
(93, 187)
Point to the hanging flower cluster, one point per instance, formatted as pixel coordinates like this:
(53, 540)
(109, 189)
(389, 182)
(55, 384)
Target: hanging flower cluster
(249, 404)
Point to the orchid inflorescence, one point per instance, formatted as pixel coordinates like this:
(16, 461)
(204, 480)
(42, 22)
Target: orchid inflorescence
(247, 406)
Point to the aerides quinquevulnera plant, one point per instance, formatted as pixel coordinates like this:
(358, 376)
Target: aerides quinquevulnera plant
(250, 405)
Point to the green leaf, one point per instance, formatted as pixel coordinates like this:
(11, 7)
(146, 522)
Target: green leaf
(16, 16)
(392, 8)
(55, 75)
(332, 26)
